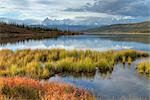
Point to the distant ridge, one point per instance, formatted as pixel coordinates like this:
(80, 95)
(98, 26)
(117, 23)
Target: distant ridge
(142, 27)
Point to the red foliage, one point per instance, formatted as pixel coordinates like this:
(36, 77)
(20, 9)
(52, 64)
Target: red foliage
(51, 90)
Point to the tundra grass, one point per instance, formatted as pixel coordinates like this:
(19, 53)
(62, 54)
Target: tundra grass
(144, 68)
(45, 63)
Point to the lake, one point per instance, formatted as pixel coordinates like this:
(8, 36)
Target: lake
(123, 82)
(93, 42)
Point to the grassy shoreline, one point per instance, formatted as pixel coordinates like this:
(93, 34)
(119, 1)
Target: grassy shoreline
(42, 64)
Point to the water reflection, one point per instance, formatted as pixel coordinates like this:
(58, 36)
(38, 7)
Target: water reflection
(123, 81)
(142, 38)
(93, 42)
(77, 75)
(5, 41)
(97, 74)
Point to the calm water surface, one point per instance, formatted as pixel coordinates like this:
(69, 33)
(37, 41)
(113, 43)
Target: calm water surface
(94, 42)
(123, 81)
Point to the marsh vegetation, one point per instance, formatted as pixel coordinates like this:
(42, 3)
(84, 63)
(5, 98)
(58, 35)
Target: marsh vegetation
(144, 68)
(22, 71)
(42, 64)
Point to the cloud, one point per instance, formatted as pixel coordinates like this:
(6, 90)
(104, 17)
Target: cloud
(45, 2)
(39, 9)
(134, 8)
(78, 11)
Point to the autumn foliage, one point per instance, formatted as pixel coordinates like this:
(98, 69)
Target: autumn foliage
(24, 88)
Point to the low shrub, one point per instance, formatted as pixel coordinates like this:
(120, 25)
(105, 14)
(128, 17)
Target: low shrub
(18, 88)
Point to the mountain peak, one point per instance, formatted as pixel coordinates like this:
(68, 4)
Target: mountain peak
(46, 19)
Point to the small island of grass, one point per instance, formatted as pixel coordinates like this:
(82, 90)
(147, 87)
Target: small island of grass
(144, 68)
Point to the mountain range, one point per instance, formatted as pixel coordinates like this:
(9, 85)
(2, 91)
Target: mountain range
(68, 24)
(65, 24)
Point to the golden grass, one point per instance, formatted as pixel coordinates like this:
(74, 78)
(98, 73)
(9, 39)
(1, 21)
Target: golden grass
(144, 68)
(45, 63)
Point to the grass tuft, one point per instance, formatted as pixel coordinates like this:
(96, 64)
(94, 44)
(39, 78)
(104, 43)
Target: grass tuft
(144, 68)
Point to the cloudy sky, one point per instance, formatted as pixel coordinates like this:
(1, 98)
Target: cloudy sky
(85, 11)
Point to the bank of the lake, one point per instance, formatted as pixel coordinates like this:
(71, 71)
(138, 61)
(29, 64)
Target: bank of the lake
(11, 33)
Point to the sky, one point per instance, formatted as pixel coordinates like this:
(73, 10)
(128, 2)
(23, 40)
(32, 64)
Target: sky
(78, 11)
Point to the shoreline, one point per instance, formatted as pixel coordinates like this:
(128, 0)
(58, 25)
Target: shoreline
(13, 38)
(113, 33)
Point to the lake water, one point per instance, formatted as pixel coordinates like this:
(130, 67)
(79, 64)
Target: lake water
(94, 42)
(123, 82)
